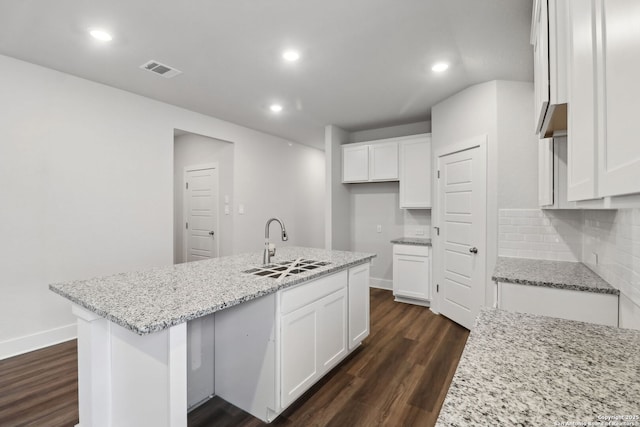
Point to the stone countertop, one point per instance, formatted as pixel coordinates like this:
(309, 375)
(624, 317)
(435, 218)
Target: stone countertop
(415, 241)
(551, 274)
(156, 299)
(528, 370)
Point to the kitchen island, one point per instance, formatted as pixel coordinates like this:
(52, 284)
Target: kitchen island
(274, 336)
(530, 370)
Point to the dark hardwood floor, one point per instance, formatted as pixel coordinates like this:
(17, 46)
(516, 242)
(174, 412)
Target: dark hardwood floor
(398, 377)
(40, 388)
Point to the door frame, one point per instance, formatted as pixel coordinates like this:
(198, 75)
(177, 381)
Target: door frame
(437, 273)
(185, 235)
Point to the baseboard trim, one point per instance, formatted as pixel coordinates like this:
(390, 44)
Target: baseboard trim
(381, 283)
(27, 343)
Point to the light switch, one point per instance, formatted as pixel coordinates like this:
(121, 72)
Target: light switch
(226, 199)
(226, 210)
(419, 231)
(241, 209)
(379, 228)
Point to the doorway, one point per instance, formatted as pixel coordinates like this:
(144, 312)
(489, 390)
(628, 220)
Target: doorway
(461, 242)
(200, 208)
(203, 224)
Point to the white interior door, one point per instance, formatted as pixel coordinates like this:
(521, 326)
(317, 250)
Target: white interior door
(201, 213)
(462, 241)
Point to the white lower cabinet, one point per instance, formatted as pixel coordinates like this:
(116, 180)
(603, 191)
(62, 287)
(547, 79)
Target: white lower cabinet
(271, 350)
(358, 304)
(412, 274)
(582, 306)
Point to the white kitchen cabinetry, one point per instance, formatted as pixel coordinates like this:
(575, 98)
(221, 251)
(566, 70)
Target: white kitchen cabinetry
(358, 304)
(314, 339)
(372, 161)
(582, 306)
(412, 274)
(545, 172)
(619, 155)
(604, 97)
(270, 350)
(383, 161)
(552, 174)
(549, 40)
(415, 173)
(355, 163)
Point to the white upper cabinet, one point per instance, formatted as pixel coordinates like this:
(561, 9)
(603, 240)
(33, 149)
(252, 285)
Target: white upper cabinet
(619, 66)
(355, 163)
(545, 173)
(604, 99)
(370, 161)
(550, 45)
(383, 161)
(582, 119)
(415, 173)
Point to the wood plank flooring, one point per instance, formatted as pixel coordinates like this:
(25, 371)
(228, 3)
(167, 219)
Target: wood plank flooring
(398, 377)
(40, 388)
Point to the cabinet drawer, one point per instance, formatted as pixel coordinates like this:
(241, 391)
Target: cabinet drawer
(293, 298)
(411, 250)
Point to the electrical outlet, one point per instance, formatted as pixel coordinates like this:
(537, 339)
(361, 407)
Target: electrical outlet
(379, 228)
(594, 258)
(241, 209)
(227, 210)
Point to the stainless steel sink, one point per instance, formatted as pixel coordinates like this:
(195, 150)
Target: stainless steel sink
(276, 270)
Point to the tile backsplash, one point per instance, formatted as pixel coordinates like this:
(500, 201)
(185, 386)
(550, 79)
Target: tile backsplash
(611, 248)
(607, 241)
(540, 234)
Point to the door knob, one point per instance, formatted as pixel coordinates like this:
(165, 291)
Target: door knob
(473, 250)
(211, 233)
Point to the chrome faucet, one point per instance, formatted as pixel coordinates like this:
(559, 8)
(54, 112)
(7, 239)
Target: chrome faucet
(269, 252)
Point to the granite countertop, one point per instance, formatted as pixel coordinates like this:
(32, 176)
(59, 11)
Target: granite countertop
(551, 274)
(416, 241)
(153, 300)
(528, 370)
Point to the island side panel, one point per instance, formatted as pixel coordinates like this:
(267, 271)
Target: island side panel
(126, 379)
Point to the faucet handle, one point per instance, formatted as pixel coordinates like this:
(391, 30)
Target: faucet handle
(272, 249)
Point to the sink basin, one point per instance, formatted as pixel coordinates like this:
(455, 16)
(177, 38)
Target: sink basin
(275, 270)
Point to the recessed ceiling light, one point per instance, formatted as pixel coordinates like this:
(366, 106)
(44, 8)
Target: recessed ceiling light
(276, 108)
(439, 67)
(291, 55)
(101, 35)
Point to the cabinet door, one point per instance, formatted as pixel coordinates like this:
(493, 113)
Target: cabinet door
(355, 163)
(545, 172)
(358, 304)
(410, 274)
(541, 63)
(299, 367)
(581, 110)
(332, 330)
(383, 161)
(415, 173)
(619, 159)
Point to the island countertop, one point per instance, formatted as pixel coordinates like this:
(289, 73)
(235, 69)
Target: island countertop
(154, 300)
(528, 370)
(551, 274)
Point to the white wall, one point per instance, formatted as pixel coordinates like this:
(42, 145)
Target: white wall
(390, 131)
(87, 173)
(517, 146)
(190, 150)
(503, 111)
(337, 204)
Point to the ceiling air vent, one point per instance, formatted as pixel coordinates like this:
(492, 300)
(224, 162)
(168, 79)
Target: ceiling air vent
(160, 69)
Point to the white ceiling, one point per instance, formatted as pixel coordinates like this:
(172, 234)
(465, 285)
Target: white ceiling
(365, 63)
